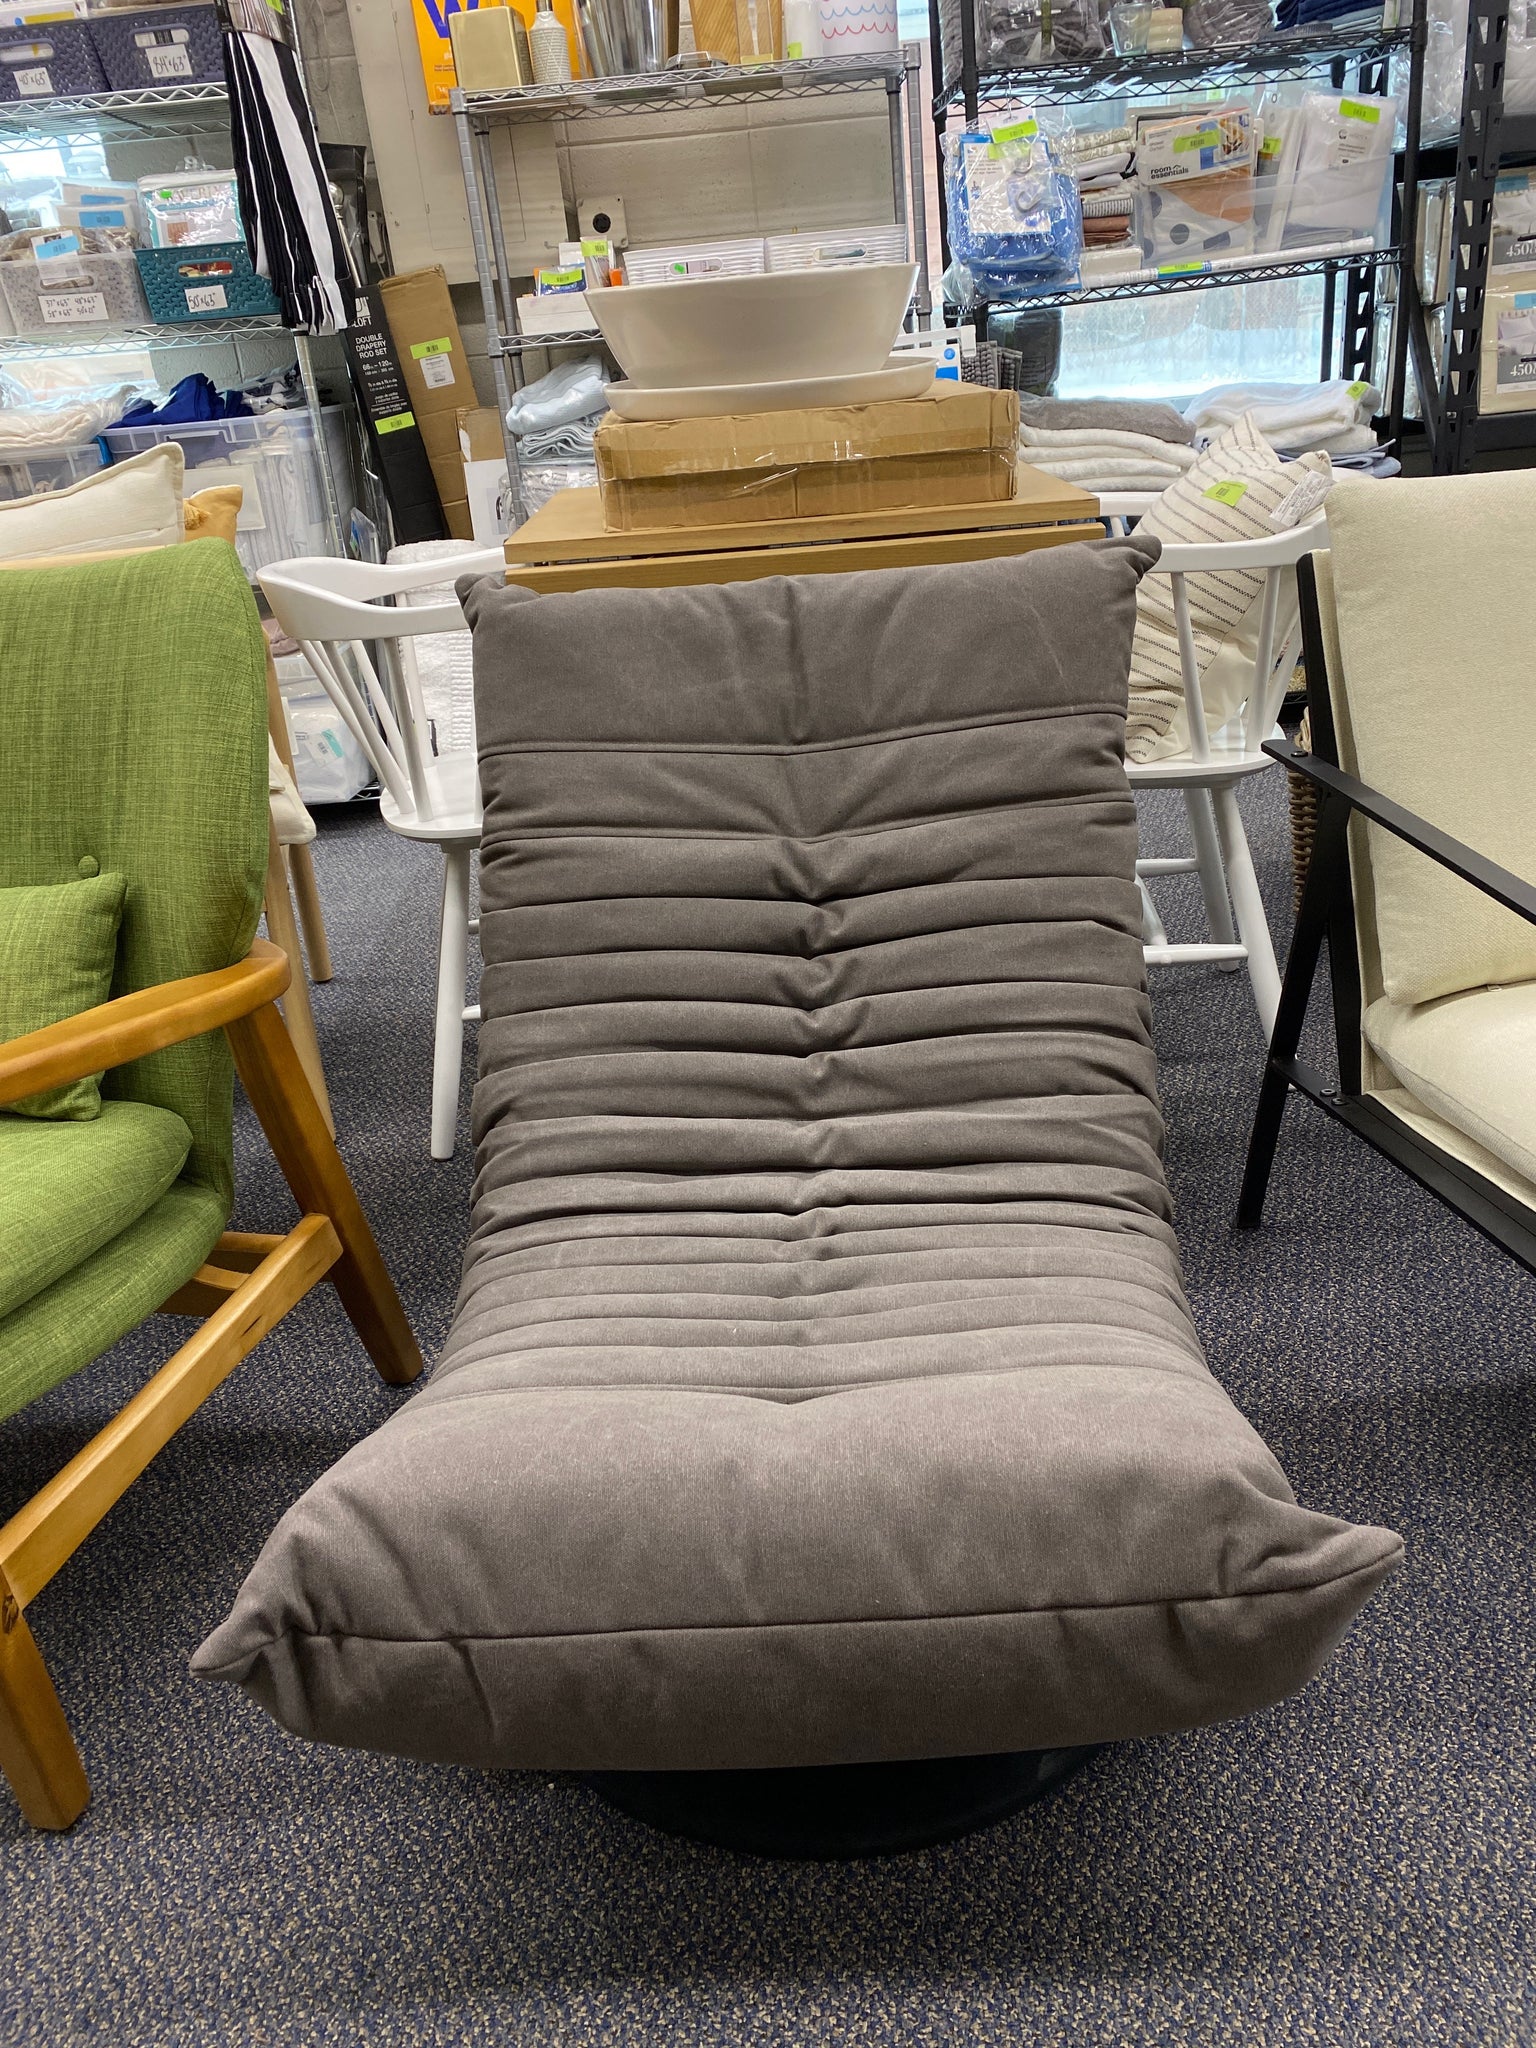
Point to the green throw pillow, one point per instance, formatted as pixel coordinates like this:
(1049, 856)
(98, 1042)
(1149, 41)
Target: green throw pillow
(58, 946)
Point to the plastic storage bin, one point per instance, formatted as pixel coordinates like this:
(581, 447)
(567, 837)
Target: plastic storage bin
(162, 46)
(48, 469)
(328, 764)
(272, 457)
(204, 281)
(101, 288)
(816, 250)
(674, 260)
(49, 60)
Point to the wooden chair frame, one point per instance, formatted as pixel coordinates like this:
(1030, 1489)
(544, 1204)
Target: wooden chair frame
(247, 1286)
(1328, 913)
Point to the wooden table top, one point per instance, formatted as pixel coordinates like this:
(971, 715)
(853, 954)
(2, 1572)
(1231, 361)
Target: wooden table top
(570, 527)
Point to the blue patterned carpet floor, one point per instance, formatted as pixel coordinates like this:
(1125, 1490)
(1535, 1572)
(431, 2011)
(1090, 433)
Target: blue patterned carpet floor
(1354, 1868)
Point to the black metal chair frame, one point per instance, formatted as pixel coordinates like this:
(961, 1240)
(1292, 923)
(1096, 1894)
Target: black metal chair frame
(1328, 912)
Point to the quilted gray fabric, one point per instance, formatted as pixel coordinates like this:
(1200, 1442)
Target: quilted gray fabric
(822, 1388)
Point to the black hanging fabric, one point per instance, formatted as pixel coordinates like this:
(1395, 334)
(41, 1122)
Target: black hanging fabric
(290, 223)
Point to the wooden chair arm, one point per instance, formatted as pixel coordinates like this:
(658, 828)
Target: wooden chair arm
(146, 1021)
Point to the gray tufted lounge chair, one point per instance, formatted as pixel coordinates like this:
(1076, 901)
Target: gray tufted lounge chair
(822, 1391)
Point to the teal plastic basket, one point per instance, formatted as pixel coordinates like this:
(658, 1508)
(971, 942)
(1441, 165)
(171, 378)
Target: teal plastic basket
(203, 281)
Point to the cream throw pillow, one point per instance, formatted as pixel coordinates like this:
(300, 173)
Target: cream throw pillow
(1431, 583)
(1238, 489)
(134, 504)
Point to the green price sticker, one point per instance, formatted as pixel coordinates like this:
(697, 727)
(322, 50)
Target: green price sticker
(1203, 138)
(1229, 493)
(1359, 110)
(1181, 269)
(1358, 391)
(441, 347)
(1016, 131)
(394, 423)
(1272, 145)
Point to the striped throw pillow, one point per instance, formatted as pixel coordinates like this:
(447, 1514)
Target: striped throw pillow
(1238, 489)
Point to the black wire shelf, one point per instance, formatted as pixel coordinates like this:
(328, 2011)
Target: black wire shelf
(1174, 277)
(1299, 54)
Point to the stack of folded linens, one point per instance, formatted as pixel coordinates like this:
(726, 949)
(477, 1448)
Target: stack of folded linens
(1294, 418)
(1106, 444)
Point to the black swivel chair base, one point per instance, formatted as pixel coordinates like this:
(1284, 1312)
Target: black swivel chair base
(836, 1812)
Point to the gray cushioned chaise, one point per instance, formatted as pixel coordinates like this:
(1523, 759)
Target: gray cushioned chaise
(822, 1389)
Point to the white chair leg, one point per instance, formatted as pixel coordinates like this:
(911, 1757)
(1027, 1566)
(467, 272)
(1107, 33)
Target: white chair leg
(1263, 971)
(1153, 931)
(1213, 880)
(452, 975)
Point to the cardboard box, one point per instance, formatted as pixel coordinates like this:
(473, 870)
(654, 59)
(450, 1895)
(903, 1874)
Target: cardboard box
(426, 335)
(1507, 382)
(955, 446)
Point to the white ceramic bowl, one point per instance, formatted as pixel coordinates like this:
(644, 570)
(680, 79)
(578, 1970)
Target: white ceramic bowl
(756, 330)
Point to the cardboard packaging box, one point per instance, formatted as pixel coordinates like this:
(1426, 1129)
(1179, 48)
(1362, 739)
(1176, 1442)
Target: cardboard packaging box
(426, 335)
(1507, 382)
(955, 446)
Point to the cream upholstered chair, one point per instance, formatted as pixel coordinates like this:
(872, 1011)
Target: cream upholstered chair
(1422, 674)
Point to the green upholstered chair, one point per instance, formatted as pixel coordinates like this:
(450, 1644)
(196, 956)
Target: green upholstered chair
(134, 721)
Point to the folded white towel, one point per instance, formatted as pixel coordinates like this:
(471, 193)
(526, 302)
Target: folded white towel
(1285, 409)
(1127, 475)
(1105, 441)
(1346, 441)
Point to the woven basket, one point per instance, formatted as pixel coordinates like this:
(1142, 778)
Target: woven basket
(1302, 796)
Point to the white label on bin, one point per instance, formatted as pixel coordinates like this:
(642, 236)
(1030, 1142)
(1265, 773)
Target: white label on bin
(34, 83)
(61, 309)
(206, 298)
(168, 61)
(436, 372)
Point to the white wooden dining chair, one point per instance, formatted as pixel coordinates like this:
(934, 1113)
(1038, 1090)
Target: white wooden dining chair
(1212, 766)
(335, 610)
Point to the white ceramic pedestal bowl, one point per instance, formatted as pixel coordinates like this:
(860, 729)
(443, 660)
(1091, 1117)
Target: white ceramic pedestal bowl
(756, 330)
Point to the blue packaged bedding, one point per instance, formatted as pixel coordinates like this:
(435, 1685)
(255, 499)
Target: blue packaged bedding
(1015, 218)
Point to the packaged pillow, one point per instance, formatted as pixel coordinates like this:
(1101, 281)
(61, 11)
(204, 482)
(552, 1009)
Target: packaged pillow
(58, 948)
(134, 504)
(1237, 489)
